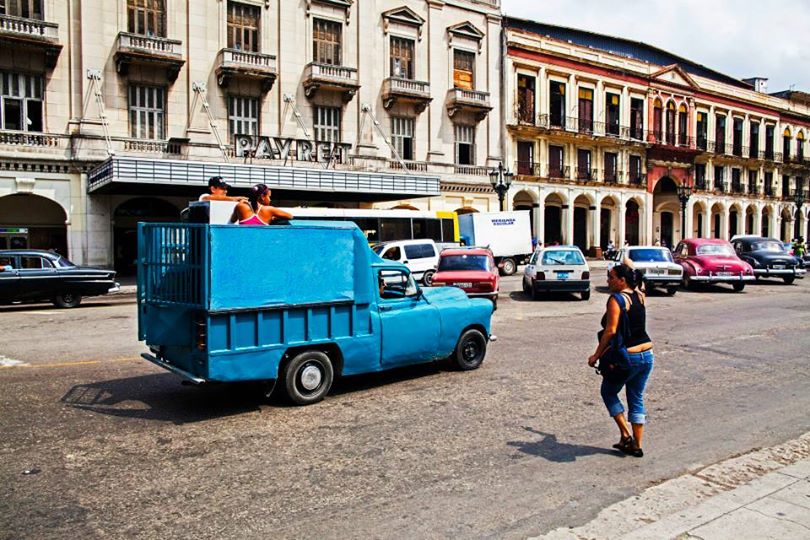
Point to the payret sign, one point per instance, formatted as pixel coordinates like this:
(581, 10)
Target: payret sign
(285, 148)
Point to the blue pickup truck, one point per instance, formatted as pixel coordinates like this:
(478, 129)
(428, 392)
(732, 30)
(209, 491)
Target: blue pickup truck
(296, 305)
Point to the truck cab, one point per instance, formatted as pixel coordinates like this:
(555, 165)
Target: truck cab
(297, 305)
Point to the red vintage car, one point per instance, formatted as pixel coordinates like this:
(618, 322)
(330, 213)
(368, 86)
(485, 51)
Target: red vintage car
(711, 260)
(471, 269)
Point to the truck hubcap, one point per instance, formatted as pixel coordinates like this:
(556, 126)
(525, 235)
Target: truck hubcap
(470, 350)
(311, 377)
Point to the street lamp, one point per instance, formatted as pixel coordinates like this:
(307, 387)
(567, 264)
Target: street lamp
(500, 179)
(684, 192)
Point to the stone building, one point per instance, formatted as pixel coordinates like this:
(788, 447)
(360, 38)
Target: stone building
(117, 111)
(603, 131)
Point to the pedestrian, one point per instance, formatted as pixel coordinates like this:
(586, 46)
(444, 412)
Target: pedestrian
(257, 210)
(218, 191)
(622, 283)
(799, 248)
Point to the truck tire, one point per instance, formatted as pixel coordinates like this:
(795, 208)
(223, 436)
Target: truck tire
(308, 377)
(788, 280)
(470, 350)
(67, 300)
(427, 278)
(508, 266)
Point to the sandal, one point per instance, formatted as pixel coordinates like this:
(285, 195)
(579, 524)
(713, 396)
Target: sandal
(623, 444)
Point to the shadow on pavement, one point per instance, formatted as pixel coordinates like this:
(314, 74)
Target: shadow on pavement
(162, 397)
(552, 450)
(519, 296)
(50, 307)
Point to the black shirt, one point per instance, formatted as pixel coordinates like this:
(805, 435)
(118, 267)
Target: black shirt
(637, 317)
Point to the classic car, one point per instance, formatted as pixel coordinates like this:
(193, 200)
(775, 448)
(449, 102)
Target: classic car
(769, 258)
(472, 270)
(711, 260)
(655, 263)
(30, 275)
(557, 269)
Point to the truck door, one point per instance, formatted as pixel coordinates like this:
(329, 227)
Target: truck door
(410, 326)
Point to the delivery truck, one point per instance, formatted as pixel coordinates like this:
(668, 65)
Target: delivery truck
(507, 235)
(300, 304)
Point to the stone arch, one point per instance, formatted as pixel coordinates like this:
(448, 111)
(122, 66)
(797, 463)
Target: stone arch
(582, 220)
(465, 210)
(736, 219)
(36, 222)
(717, 219)
(609, 206)
(554, 206)
(526, 199)
(765, 220)
(404, 207)
(666, 211)
(750, 213)
(632, 221)
(785, 222)
(700, 219)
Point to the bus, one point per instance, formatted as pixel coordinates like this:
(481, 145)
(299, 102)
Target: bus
(387, 225)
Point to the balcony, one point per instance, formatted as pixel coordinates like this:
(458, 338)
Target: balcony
(471, 170)
(246, 65)
(638, 179)
(135, 49)
(586, 174)
(737, 187)
(470, 101)
(613, 177)
(396, 90)
(31, 34)
(701, 185)
(326, 77)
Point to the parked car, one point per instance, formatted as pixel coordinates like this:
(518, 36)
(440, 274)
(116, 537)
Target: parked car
(769, 258)
(420, 256)
(32, 275)
(471, 269)
(557, 269)
(655, 263)
(711, 260)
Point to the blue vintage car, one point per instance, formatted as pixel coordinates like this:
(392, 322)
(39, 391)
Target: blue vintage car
(299, 304)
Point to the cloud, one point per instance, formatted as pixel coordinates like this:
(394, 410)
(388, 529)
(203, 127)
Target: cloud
(742, 38)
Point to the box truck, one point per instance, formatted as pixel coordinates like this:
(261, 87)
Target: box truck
(507, 234)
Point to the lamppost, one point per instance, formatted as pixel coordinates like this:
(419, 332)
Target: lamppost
(684, 192)
(500, 179)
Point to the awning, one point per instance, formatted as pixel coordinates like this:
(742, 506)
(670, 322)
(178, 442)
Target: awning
(172, 176)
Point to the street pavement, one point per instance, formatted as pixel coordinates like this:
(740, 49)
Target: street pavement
(98, 443)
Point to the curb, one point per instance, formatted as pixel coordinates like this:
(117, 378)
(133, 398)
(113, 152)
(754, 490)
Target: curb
(675, 507)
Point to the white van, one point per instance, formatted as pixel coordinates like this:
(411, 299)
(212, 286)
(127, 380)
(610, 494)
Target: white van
(420, 256)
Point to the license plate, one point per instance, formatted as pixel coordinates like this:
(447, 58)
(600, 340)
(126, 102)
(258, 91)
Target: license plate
(463, 285)
(654, 272)
(562, 275)
(725, 274)
(778, 267)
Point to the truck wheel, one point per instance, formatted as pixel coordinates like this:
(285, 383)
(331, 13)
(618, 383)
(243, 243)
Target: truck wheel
(788, 279)
(672, 290)
(738, 287)
(585, 295)
(67, 300)
(509, 267)
(470, 350)
(427, 278)
(308, 377)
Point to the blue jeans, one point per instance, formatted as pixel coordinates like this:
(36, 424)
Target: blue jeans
(641, 365)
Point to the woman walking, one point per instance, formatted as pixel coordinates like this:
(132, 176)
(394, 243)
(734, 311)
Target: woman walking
(622, 280)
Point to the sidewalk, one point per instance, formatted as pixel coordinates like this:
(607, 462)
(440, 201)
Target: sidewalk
(762, 494)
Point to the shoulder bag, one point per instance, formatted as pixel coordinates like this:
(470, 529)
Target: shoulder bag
(614, 364)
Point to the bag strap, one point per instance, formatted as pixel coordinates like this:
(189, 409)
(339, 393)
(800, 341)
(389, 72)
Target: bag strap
(623, 330)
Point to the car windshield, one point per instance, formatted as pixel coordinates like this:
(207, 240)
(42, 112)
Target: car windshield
(449, 263)
(560, 257)
(770, 245)
(715, 249)
(650, 255)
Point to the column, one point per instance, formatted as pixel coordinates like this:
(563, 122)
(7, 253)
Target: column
(646, 222)
(775, 219)
(689, 221)
(757, 222)
(542, 92)
(539, 220)
(724, 223)
(568, 213)
(622, 215)
(596, 225)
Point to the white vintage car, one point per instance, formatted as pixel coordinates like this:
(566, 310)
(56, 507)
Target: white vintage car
(655, 263)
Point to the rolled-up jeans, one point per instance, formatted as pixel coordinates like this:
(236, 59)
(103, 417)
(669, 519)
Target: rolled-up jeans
(641, 365)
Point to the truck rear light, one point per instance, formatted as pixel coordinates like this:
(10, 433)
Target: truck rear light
(586, 275)
(200, 334)
(541, 276)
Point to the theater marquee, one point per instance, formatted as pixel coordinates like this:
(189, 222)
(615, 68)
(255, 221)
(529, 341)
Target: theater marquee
(296, 149)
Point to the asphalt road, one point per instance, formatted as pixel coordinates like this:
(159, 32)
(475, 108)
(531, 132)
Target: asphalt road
(98, 443)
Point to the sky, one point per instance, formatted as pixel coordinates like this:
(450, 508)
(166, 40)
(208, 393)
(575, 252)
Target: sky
(740, 38)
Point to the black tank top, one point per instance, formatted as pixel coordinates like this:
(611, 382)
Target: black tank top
(637, 316)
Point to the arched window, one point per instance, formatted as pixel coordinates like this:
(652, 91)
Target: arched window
(671, 123)
(682, 129)
(658, 120)
(786, 143)
(800, 146)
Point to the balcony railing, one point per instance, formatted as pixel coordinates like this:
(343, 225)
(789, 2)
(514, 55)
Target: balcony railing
(586, 174)
(473, 101)
(234, 63)
(149, 50)
(395, 89)
(420, 166)
(338, 78)
(27, 138)
(29, 27)
(737, 187)
(719, 185)
(638, 179)
(613, 177)
(701, 185)
(472, 170)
